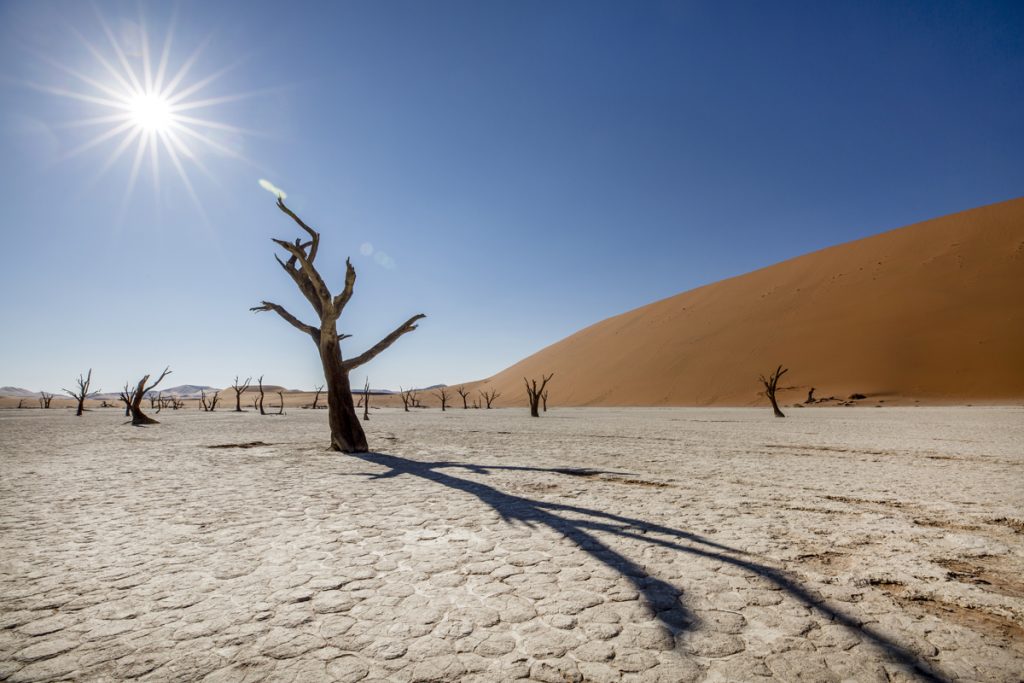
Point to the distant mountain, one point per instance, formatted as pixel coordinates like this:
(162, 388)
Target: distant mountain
(18, 392)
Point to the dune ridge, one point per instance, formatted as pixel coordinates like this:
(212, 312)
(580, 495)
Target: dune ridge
(932, 313)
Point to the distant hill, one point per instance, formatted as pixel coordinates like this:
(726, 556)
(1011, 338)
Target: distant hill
(185, 391)
(932, 312)
(18, 392)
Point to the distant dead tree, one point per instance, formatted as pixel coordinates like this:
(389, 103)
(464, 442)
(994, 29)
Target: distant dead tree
(544, 400)
(489, 397)
(211, 405)
(280, 410)
(534, 392)
(316, 399)
(442, 393)
(44, 399)
(771, 385)
(239, 390)
(476, 404)
(21, 403)
(159, 402)
(408, 397)
(259, 401)
(366, 399)
(138, 393)
(347, 434)
(82, 392)
(126, 396)
(176, 403)
(810, 396)
(463, 393)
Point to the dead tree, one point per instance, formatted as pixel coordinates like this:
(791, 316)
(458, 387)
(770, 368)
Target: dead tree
(138, 393)
(810, 396)
(280, 396)
(176, 403)
(259, 400)
(82, 392)
(463, 393)
(490, 397)
(347, 434)
(21, 403)
(534, 392)
(544, 400)
(44, 399)
(476, 404)
(771, 385)
(406, 396)
(212, 405)
(316, 399)
(126, 396)
(442, 393)
(239, 390)
(366, 400)
(159, 402)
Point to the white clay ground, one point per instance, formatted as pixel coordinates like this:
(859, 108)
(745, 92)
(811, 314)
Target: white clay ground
(591, 544)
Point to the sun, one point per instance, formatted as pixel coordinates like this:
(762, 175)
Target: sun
(151, 112)
(145, 110)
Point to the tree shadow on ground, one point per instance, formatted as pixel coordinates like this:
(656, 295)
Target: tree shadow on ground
(578, 524)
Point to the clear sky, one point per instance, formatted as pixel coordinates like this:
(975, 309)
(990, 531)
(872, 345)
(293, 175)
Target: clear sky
(519, 169)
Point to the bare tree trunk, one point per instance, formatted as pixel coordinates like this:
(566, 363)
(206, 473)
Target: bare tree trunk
(366, 400)
(280, 411)
(771, 385)
(347, 434)
(534, 393)
(544, 400)
(44, 399)
(463, 393)
(810, 396)
(259, 402)
(406, 397)
(139, 417)
(316, 399)
(81, 393)
(443, 394)
(239, 390)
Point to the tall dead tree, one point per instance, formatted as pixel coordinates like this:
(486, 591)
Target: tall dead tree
(82, 392)
(138, 393)
(239, 390)
(44, 399)
(347, 434)
(490, 397)
(534, 392)
(366, 400)
(259, 399)
(771, 385)
(442, 393)
(464, 394)
(316, 399)
(544, 401)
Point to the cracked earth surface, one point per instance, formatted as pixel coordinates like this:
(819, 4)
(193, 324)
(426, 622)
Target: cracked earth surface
(592, 544)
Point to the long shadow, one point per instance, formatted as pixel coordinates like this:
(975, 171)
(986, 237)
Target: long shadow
(661, 596)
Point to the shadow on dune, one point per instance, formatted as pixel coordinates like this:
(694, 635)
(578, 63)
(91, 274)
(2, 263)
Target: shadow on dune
(578, 523)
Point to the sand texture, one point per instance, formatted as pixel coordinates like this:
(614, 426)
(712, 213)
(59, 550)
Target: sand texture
(598, 545)
(932, 312)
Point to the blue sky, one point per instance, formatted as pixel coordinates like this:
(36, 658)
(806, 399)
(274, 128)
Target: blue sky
(521, 169)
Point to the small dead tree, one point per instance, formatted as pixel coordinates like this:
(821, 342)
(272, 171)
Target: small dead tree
(44, 399)
(316, 399)
(259, 400)
(534, 392)
(82, 392)
(544, 400)
(407, 397)
(489, 397)
(280, 410)
(366, 400)
(211, 405)
(347, 434)
(126, 396)
(176, 403)
(21, 403)
(159, 402)
(136, 396)
(810, 396)
(239, 390)
(476, 404)
(771, 385)
(443, 395)
(464, 394)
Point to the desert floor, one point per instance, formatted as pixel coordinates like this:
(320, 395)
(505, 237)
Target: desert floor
(592, 544)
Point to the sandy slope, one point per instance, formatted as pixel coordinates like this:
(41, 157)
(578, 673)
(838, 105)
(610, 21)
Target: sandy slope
(933, 311)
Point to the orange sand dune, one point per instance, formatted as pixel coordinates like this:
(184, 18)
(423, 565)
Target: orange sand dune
(932, 312)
